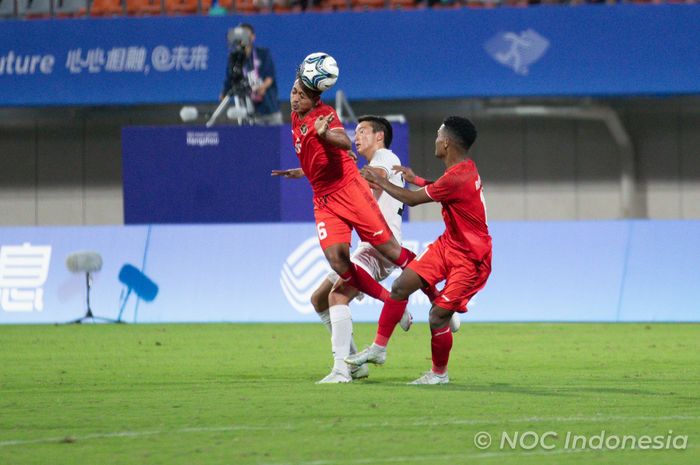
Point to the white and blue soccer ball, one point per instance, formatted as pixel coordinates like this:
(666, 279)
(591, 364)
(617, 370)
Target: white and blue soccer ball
(319, 71)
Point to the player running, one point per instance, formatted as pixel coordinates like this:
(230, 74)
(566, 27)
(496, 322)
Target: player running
(461, 255)
(342, 199)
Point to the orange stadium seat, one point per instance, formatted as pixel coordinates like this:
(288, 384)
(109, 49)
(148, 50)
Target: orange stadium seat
(405, 4)
(366, 5)
(282, 7)
(181, 6)
(446, 4)
(106, 8)
(143, 7)
(481, 3)
(225, 4)
(245, 6)
(335, 5)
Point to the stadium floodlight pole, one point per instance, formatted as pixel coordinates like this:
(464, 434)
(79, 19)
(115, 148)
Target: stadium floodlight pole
(341, 102)
(219, 109)
(88, 263)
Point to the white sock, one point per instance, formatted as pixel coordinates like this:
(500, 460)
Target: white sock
(341, 336)
(326, 319)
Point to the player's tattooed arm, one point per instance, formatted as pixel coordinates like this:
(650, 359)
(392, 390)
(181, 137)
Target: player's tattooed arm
(293, 173)
(406, 196)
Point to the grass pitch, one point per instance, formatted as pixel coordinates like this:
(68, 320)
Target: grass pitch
(245, 394)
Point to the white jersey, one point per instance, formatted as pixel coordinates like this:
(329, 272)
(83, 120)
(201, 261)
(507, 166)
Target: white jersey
(365, 255)
(391, 208)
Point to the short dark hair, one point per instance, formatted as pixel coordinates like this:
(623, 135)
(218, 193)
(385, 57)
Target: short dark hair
(462, 130)
(379, 124)
(248, 26)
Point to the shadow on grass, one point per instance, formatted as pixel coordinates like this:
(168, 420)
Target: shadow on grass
(556, 391)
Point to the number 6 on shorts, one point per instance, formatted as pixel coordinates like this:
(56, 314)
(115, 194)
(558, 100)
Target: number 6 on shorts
(321, 229)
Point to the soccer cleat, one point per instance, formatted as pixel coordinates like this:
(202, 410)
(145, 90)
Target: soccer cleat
(335, 377)
(406, 320)
(372, 354)
(455, 322)
(431, 377)
(359, 372)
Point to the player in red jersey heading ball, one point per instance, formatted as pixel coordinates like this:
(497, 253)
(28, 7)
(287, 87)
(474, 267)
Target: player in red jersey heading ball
(342, 199)
(461, 255)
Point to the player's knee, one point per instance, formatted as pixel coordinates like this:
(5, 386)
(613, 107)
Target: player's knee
(337, 298)
(319, 300)
(399, 291)
(439, 318)
(339, 263)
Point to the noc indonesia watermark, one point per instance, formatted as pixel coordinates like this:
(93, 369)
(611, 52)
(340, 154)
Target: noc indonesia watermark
(570, 440)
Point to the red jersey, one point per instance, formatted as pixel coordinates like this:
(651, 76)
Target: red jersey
(327, 167)
(463, 209)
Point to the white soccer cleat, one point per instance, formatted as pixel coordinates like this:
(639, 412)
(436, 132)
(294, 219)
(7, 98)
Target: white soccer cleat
(372, 354)
(406, 320)
(431, 377)
(359, 372)
(455, 322)
(335, 377)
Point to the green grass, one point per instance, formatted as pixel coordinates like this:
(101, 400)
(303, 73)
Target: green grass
(245, 394)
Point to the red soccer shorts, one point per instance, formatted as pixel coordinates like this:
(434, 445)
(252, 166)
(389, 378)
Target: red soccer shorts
(464, 277)
(353, 206)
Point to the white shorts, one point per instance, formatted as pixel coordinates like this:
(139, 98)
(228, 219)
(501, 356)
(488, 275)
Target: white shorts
(370, 260)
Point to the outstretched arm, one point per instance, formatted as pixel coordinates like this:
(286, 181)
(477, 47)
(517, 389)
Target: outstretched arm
(406, 196)
(293, 173)
(410, 176)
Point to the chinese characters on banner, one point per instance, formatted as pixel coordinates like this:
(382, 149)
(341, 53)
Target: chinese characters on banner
(23, 272)
(135, 59)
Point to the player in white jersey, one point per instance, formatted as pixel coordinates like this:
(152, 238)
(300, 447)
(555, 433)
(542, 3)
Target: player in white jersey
(373, 137)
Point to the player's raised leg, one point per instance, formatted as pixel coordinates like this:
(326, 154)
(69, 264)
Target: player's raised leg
(401, 257)
(392, 311)
(338, 256)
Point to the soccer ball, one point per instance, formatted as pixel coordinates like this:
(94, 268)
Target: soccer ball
(319, 71)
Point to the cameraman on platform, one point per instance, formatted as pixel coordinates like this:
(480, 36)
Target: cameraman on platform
(250, 73)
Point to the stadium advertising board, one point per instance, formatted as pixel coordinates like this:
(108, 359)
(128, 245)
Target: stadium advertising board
(542, 271)
(212, 175)
(552, 51)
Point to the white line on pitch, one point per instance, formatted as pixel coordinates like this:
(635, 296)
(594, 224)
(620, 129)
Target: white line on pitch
(215, 429)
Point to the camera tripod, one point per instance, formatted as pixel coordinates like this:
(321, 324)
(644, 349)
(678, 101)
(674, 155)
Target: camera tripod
(242, 109)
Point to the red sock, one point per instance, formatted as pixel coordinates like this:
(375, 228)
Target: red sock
(358, 278)
(441, 344)
(388, 319)
(405, 257)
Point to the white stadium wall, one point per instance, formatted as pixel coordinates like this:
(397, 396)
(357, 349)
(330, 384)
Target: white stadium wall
(63, 166)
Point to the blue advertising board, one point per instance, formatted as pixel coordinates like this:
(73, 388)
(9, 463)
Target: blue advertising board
(220, 174)
(608, 271)
(542, 51)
